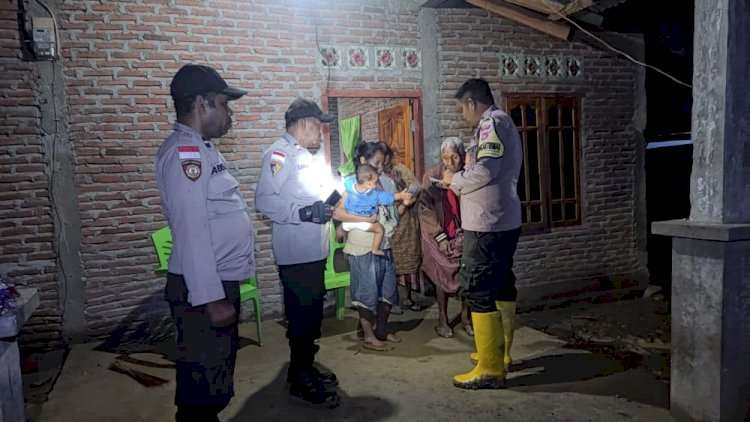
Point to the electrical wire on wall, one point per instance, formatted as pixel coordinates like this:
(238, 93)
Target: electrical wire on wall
(59, 240)
(554, 10)
(321, 53)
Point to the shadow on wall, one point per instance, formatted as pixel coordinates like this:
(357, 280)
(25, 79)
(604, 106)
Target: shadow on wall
(272, 403)
(146, 329)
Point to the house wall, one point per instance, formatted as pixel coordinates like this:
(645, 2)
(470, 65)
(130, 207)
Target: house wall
(117, 62)
(26, 223)
(473, 43)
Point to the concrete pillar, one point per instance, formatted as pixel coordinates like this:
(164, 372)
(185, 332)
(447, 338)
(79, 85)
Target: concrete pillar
(428, 45)
(710, 375)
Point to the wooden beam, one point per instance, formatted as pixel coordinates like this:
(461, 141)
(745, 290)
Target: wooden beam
(539, 5)
(524, 16)
(572, 7)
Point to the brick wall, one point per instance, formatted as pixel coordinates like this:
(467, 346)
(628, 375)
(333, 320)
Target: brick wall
(368, 109)
(471, 43)
(118, 59)
(26, 253)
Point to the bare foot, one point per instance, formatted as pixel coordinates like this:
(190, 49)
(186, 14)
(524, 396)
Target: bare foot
(444, 330)
(372, 343)
(378, 252)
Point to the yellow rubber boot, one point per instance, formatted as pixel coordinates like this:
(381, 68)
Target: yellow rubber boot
(508, 318)
(489, 371)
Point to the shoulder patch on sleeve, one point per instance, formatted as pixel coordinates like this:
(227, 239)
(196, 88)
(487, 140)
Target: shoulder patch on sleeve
(192, 169)
(188, 152)
(278, 156)
(276, 167)
(489, 144)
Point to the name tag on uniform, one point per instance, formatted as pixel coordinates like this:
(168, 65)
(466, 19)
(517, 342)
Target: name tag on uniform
(218, 169)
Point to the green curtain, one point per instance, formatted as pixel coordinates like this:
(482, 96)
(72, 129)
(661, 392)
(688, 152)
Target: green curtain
(349, 133)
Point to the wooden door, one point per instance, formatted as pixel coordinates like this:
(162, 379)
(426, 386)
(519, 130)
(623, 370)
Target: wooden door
(394, 128)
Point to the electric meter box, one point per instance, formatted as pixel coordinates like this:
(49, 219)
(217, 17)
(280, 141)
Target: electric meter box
(43, 35)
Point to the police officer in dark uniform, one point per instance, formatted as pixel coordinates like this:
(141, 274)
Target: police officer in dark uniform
(291, 194)
(491, 220)
(213, 242)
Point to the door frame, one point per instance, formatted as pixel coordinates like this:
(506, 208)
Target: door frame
(416, 110)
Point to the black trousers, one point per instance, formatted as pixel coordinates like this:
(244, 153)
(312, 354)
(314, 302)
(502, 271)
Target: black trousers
(487, 268)
(205, 355)
(304, 292)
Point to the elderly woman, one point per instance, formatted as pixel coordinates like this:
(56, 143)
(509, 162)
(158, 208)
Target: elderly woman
(440, 224)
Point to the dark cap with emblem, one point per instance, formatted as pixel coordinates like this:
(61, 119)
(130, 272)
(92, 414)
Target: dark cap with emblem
(301, 108)
(195, 79)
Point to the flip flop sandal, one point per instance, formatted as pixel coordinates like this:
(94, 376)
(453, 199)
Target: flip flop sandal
(416, 307)
(385, 347)
(444, 332)
(391, 338)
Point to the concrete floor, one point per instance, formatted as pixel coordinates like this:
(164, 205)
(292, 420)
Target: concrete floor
(410, 383)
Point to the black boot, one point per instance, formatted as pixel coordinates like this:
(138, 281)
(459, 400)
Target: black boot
(329, 379)
(303, 356)
(309, 389)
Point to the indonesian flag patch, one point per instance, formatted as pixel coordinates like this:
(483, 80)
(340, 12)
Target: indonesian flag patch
(192, 169)
(189, 153)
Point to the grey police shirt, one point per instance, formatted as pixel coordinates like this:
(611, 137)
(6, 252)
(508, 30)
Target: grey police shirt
(289, 181)
(212, 232)
(488, 183)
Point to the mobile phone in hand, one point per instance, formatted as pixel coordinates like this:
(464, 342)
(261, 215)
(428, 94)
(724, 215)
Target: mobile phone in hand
(333, 198)
(435, 181)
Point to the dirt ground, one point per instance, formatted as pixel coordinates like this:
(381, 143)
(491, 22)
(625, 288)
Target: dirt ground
(632, 331)
(581, 361)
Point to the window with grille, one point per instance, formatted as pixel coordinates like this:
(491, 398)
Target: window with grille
(549, 184)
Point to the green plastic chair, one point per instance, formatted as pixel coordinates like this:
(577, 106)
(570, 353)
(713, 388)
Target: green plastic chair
(337, 281)
(162, 240)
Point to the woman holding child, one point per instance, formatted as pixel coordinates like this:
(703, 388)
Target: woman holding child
(373, 276)
(440, 223)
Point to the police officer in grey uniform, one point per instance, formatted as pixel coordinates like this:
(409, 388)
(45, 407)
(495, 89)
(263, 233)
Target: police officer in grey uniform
(213, 242)
(491, 220)
(290, 193)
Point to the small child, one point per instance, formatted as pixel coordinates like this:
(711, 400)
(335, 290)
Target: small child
(363, 198)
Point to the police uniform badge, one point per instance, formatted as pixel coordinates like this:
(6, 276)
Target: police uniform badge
(489, 144)
(277, 162)
(192, 169)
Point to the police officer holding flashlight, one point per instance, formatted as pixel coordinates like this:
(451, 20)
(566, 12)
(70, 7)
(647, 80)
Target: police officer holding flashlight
(291, 194)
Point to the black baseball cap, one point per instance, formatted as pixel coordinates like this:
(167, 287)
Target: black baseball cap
(301, 108)
(196, 79)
